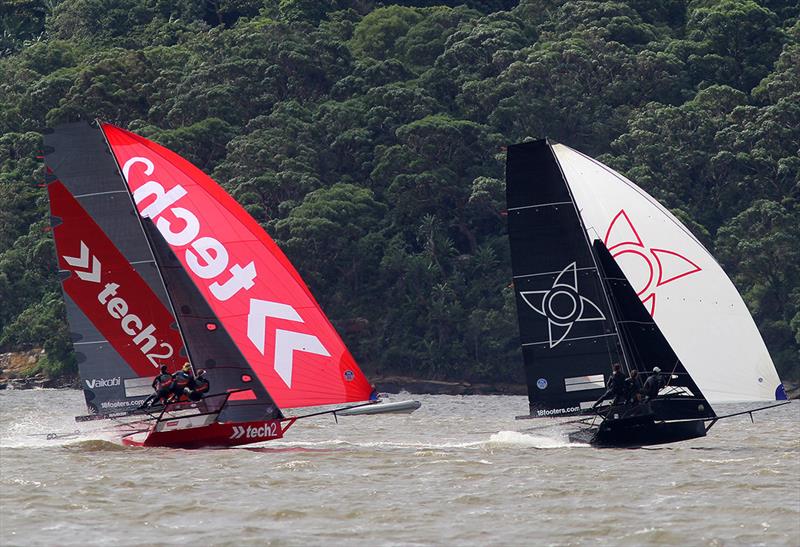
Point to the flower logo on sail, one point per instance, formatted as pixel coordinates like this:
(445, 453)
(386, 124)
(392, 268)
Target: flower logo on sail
(660, 266)
(562, 305)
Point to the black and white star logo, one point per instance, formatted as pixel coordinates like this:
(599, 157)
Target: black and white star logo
(562, 305)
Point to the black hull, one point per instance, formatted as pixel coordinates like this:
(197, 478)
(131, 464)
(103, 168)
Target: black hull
(640, 431)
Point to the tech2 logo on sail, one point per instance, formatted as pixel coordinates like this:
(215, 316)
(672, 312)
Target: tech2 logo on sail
(117, 308)
(109, 291)
(217, 272)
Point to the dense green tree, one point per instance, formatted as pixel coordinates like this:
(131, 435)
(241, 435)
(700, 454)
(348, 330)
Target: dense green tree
(366, 137)
(732, 41)
(761, 247)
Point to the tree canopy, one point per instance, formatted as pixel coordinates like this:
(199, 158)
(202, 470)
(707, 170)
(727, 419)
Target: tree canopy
(367, 136)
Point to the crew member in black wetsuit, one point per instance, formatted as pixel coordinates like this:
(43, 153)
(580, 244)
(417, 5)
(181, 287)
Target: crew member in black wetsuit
(161, 385)
(615, 387)
(633, 388)
(180, 380)
(198, 386)
(653, 385)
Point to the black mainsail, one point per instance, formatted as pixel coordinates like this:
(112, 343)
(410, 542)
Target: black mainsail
(569, 338)
(116, 303)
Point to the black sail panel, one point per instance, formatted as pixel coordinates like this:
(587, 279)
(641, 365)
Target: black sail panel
(210, 346)
(94, 219)
(78, 155)
(569, 340)
(644, 342)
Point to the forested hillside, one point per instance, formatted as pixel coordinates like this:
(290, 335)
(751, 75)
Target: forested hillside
(367, 137)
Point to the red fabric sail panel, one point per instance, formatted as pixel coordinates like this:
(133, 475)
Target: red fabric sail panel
(247, 280)
(108, 290)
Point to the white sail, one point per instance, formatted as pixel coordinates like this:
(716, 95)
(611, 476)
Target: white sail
(690, 297)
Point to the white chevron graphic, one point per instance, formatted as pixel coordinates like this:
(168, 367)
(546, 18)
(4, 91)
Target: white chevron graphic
(259, 311)
(286, 341)
(238, 432)
(83, 262)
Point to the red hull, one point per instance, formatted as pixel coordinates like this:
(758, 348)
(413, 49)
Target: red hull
(214, 435)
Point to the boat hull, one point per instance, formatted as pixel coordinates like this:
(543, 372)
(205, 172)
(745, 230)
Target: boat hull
(639, 431)
(171, 434)
(395, 407)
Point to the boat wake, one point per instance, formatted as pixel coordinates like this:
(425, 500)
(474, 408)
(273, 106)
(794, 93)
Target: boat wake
(94, 445)
(515, 439)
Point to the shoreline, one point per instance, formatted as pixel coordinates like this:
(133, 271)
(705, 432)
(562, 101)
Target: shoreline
(15, 374)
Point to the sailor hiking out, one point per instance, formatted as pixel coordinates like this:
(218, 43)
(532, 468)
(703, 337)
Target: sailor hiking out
(633, 388)
(615, 387)
(198, 386)
(162, 384)
(180, 381)
(653, 384)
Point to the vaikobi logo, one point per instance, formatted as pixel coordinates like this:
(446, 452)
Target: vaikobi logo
(103, 382)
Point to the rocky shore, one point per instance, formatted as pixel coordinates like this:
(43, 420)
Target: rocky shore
(17, 371)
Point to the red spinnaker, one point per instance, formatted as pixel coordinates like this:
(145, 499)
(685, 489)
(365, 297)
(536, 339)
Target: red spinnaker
(243, 275)
(107, 289)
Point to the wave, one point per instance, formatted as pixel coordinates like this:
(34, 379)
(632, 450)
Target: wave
(95, 445)
(513, 439)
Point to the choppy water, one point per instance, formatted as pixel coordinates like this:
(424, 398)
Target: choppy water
(459, 471)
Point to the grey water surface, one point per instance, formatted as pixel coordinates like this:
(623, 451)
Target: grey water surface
(459, 471)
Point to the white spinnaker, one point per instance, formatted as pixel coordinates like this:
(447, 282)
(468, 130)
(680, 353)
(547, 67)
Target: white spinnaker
(692, 300)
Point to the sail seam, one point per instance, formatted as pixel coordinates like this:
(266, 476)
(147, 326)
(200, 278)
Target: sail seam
(539, 205)
(100, 193)
(552, 273)
(571, 339)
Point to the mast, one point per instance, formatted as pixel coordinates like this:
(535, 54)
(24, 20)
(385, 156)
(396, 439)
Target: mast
(149, 246)
(626, 363)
